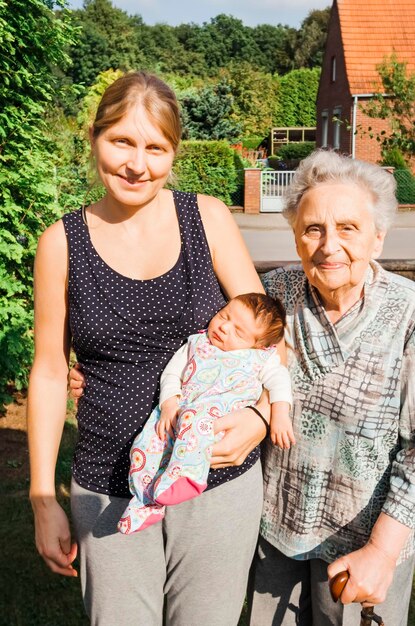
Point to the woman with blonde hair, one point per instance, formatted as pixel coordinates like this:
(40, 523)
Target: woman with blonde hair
(125, 281)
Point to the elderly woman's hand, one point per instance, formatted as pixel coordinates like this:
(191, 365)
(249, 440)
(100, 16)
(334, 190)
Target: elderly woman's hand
(371, 568)
(370, 574)
(76, 381)
(243, 432)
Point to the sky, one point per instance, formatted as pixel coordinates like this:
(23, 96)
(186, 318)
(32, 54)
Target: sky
(251, 12)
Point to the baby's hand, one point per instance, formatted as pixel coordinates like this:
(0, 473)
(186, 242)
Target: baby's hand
(168, 417)
(282, 433)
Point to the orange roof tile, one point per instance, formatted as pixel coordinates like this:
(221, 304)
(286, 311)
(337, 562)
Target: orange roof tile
(371, 30)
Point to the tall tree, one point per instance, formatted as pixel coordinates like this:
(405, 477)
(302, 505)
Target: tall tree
(311, 38)
(207, 113)
(255, 96)
(108, 40)
(275, 44)
(226, 38)
(33, 45)
(297, 94)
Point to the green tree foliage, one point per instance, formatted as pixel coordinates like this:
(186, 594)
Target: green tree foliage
(33, 44)
(169, 55)
(297, 96)
(309, 41)
(207, 113)
(255, 94)
(226, 38)
(393, 157)
(109, 39)
(190, 38)
(397, 105)
(275, 44)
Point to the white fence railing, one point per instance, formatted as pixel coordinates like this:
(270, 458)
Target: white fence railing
(273, 185)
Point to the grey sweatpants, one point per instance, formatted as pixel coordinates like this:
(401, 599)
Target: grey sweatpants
(286, 592)
(198, 557)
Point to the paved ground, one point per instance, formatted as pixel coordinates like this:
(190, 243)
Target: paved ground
(269, 238)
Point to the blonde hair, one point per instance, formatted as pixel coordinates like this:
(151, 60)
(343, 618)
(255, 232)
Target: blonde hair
(158, 100)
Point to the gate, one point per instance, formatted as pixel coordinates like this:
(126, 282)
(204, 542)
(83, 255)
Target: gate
(273, 184)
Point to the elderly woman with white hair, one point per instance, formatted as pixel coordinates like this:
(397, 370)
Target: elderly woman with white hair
(345, 494)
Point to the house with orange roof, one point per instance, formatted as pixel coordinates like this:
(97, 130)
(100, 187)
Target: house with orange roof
(361, 34)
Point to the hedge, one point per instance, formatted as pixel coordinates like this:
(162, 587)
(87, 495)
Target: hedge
(209, 167)
(405, 191)
(289, 155)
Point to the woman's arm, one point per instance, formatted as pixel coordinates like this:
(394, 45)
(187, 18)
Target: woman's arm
(48, 381)
(231, 261)
(236, 273)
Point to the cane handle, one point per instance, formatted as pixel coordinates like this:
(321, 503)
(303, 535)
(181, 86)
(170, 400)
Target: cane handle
(337, 584)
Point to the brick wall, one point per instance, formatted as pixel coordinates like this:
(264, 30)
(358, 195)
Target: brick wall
(333, 94)
(252, 193)
(367, 148)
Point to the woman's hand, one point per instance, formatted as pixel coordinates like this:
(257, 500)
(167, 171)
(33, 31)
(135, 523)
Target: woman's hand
(370, 574)
(76, 380)
(371, 568)
(243, 432)
(53, 537)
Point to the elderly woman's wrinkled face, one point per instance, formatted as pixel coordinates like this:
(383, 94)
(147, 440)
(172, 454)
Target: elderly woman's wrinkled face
(336, 238)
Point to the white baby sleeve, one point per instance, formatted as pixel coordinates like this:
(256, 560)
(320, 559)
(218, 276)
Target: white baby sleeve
(171, 378)
(276, 379)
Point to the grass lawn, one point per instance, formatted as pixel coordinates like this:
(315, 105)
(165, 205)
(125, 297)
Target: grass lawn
(31, 594)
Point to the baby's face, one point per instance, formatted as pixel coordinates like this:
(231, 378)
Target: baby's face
(234, 328)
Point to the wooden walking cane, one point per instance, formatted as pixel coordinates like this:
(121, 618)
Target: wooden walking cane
(337, 584)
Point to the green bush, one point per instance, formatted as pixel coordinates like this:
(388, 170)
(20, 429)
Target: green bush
(298, 151)
(394, 158)
(252, 143)
(33, 52)
(289, 155)
(275, 162)
(208, 167)
(296, 100)
(405, 191)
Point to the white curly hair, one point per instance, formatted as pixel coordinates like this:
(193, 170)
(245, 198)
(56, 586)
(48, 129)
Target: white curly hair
(327, 166)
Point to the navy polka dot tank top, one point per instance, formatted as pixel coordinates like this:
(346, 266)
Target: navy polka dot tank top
(124, 331)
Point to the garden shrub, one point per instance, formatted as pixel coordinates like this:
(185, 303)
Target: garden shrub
(33, 50)
(290, 154)
(405, 191)
(394, 158)
(208, 167)
(252, 143)
(299, 151)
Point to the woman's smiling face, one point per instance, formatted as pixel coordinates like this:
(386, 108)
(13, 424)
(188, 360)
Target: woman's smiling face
(336, 237)
(133, 158)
